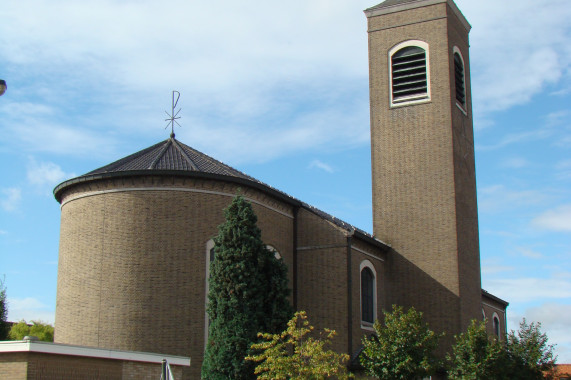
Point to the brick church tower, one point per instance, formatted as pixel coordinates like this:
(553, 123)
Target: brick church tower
(424, 184)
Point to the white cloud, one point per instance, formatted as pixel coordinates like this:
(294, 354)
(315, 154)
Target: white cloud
(321, 165)
(238, 69)
(512, 138)
(489, 269)
(318, 129)
(517, 48)
(10, 198)
(558, 219)
(497, 198)
(556, 118)
(45, 174)
(528, 289)
(515, 163)
(253, 88)
(30, 309)
(2, 232)
(529, 253)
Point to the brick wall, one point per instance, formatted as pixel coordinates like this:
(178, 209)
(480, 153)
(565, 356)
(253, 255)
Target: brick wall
(42, 366)
(423, 186)
(14, 366)
(132, 260)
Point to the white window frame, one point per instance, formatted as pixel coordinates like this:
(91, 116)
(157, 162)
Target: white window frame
(273, 249)
(463, 107)
(364, 324)
(413, 99)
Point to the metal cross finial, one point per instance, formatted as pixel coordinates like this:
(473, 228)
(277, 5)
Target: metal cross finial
(173, 117)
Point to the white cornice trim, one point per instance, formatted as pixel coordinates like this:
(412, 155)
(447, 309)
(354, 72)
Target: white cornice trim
(372, 12)
(100, 353)
(182, 189)
(494, 307)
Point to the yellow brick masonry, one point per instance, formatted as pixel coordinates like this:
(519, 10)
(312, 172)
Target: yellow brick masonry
(132, 264)
(424, 194)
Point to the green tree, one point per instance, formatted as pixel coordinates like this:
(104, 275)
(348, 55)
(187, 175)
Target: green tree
(530, 356)
(4, 327)
(44, 331)
(476, 356)
(292, 354)
(402, 348)
(525, 355)
(248, 293)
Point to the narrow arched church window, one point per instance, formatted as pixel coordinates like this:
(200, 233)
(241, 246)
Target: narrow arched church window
(496, 325)
(368, 294)
(271, 248)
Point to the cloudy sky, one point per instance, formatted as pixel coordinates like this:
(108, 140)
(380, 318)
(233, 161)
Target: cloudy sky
(279, 90)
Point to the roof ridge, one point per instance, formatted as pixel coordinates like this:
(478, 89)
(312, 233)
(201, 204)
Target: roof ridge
(153, 164)
(176, 144)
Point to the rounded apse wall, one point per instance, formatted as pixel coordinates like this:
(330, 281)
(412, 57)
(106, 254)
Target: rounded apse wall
(132, 259)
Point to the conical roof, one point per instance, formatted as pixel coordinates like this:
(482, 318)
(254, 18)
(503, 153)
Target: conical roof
(168, 155)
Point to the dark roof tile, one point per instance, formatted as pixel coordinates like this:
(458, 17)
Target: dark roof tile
(170, 155)
(390, 3)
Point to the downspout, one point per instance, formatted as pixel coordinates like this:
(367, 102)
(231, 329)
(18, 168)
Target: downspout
(349, 300)
(294, 272)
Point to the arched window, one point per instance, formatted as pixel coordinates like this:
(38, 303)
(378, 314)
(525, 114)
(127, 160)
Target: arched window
(483, 315)
(409, 73)
(459, 78)
(368, 293)
(496, 325)
(271, 248)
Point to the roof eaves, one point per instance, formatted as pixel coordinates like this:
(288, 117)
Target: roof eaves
(352, 230)
(392, 6)
(494, 298)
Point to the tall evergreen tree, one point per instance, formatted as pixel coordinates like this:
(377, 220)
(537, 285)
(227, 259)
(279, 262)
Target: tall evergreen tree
(247, 294)
(4, 327)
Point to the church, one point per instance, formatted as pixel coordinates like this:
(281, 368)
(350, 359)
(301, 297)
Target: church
(136, 235)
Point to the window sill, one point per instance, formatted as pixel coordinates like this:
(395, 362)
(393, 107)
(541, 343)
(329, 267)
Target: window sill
(367, 326)
(461, 109)
(410, 102)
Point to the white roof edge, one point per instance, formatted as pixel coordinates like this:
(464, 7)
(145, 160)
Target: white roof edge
(101, 353)
(372, 12)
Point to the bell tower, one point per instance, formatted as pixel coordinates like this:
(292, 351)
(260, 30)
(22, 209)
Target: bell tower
(422, 150)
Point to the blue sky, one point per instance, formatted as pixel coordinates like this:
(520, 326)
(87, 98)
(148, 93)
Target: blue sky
(279, 90)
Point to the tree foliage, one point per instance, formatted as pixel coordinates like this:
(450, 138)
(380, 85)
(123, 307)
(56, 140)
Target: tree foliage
(247, 294)
(4, 327)
(530, 356)
(44, 331)
(402, 348)
(525, 355)
(296, 354)
(475, 356)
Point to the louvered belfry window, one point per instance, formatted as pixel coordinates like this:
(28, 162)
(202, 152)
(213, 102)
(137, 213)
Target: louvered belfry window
(409, 77)
(459, 80)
